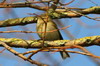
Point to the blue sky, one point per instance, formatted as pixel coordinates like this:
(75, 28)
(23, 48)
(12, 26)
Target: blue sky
(85, 27)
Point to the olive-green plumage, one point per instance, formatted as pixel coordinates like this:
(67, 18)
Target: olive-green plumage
(50, 35)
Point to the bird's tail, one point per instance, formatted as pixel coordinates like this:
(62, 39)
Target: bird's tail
(64, 54)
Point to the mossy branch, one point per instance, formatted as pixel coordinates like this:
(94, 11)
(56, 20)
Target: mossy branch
(17, 21)
(59, 13)
(84, 42)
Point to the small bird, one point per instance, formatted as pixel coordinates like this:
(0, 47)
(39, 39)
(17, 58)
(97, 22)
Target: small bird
(49, 36)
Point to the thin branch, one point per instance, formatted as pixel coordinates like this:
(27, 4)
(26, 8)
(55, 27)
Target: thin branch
(2, 50)
(83, 53)
(85, 15)
(20, 55)
(66, 3)
(93, 2)
(78, 52)
(21, 5)
(34, 32)
(3, 2)
(35, 52)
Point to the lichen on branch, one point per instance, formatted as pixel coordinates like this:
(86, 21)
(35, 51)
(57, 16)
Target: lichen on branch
(84, 42)
(57, 14)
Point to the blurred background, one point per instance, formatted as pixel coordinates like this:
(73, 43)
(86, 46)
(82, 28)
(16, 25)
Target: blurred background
(81, 27)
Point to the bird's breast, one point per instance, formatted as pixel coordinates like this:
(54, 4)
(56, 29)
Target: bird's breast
(49, 35)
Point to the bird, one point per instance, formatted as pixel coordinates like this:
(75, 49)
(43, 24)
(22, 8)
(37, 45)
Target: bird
(49, 36)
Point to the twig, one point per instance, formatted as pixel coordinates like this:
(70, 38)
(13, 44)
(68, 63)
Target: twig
(45, 26)
(78, 52)
(3, 1)
(35, 52)
(86, 51)
(93, 2)
(83, 53)
(20, 55)
(2, 50)
(84, 15)
(81, 48)
(34, 32)
(66, 3)
(22, 4)
(79, 13)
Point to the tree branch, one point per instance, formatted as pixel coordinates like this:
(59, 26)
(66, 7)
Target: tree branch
(21, 55)
(18, 21)
(21, 5)
(55, 14)
(84, 42)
